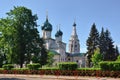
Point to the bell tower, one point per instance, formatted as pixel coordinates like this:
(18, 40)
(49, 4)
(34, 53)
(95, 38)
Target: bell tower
(74, 46)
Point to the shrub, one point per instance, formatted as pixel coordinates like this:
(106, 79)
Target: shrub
(110, 65)
(7, 66)
(34, 66)
(20, 69)
(68, 66)
(49, 68)
(1, 69)
(89, 69)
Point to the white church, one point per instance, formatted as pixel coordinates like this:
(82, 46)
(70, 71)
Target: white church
(58, 47)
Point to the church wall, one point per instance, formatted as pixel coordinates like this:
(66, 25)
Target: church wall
(57, 59)
(80, 61)
(60, 47)
(47, 34)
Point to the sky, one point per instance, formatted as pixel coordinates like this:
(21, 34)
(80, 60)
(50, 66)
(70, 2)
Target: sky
(104, 13)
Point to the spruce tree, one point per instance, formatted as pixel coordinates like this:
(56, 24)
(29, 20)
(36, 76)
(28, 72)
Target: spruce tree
(116, 52)
(102, 43)
(110, 52)
(92, 43)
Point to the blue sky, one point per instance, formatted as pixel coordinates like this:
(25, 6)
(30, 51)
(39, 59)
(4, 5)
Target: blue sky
(104, 13)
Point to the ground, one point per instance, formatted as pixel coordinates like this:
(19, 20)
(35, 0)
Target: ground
(49, 77)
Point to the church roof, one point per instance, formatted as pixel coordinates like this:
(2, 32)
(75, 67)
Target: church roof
(46, 26)
(58, 33)
(78, 54)
(75, 54)
(54, 52)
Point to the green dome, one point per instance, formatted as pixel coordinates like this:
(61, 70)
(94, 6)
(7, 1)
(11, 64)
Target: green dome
(46, 26)
(59, 33)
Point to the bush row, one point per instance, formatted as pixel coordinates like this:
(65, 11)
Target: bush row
(36, 66)
(68, 66)
(110, 65)
(93, 69)
(8, 66)
(96, 73)
(106, 65)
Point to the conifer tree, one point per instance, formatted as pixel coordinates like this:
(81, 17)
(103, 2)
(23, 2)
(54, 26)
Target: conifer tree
(92, 43)
(110, 50)
(116, 52)
(103, 45)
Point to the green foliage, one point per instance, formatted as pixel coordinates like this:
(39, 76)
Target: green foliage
(106, 46)
(50, 59)
(102, 45)
(117, 53)
(7, 41)
(20, 69)
(92, 43)
(44, 55)
(104, 42)
(68, 66)
(49, 68)
(7, 66)
(20, 40)
(1, 69)
(2, 58)
(34, 66)
(118, 58)
(110, 65)
(89, 69)
(96, 58)
(109, 55)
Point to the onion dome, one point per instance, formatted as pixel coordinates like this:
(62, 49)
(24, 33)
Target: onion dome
(46, 26)
(74, 24)
(58, 33)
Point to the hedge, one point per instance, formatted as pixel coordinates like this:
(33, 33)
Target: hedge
(8, 66)
(68, 66)
(110, 65)
(20, 69)
(76, 73)
(89, 69)
(33, 66)
(1, 69)
(49, 68)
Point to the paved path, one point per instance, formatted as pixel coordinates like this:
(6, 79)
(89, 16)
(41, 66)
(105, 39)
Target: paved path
(49, 77)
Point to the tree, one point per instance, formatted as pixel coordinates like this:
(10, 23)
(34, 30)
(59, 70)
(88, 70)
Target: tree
(96, 58)
(25, 40)
(7, 41)
(92, 43)
(106, 46)
(110, 50)
(103, 45)
(116, 52)
(42, 56)
(118, 58)
(50, 59)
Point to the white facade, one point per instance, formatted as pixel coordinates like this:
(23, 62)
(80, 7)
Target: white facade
(60, 47)
(74, 46)
(46, 34)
